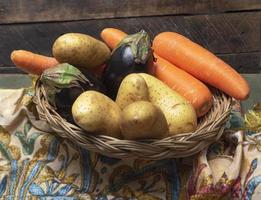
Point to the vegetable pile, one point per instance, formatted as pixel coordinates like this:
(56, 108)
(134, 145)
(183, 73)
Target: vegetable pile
(128, 87)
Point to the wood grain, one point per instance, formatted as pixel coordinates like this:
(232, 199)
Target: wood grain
(237, 34)
(15, 11)
(244, 62)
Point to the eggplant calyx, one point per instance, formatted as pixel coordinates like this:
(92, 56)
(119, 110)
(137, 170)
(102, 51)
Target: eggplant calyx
(140, 44)
(61, 76)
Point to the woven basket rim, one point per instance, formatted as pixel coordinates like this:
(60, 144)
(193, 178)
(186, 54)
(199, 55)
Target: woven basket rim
(209, 130)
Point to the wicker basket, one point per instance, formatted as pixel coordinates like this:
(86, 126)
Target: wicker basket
(209, 130)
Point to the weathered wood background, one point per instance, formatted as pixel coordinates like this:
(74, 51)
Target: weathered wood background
(229, 28)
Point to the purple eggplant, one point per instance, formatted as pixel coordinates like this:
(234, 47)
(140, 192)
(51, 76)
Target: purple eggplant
(132, 55)
(64, 83)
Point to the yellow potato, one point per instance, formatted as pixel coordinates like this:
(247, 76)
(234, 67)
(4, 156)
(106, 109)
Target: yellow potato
(180, 114)
(143, 120)
(133, 88)
(97, 113)
(80, 50)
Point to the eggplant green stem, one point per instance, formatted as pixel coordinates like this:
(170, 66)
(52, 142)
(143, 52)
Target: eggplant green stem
(140, 44)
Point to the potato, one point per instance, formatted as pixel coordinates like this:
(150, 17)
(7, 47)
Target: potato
(143, 120)
(180, 114)
(80, 50)
(97, 113)
(133, 88)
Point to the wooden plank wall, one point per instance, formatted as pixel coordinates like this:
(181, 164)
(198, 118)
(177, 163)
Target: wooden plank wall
(230, 29)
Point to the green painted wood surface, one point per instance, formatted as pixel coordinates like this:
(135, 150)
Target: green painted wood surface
(254, 81)
(12, 81)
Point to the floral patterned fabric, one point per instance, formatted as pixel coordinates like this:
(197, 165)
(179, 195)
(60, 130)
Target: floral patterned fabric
(39, 165)
(229, 169)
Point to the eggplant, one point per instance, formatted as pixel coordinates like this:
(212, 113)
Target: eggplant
(64, 101)
(64, 83)
(132, 55)
(67, 96)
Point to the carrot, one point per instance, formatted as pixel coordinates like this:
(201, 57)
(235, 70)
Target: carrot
(112, 36)
(200, 63)
(188, 86)
(31, 62)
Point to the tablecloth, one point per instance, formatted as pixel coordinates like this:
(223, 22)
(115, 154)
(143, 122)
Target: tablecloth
(39, 165)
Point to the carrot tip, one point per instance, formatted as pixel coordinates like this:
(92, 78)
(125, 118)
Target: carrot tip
(13, 54)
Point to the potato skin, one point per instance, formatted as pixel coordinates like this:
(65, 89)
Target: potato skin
(143, 120)
(97, 113)
(180, 114)
(133, 88)
(80, 50)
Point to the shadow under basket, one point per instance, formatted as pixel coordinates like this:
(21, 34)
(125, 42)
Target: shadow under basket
(210, 129)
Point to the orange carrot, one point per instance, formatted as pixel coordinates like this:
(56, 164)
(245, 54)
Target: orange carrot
(31, 62)
(112, 36)
(188, 86)
(200, 63)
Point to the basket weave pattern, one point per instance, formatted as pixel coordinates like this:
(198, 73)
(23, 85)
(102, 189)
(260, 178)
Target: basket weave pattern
(209, 130)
